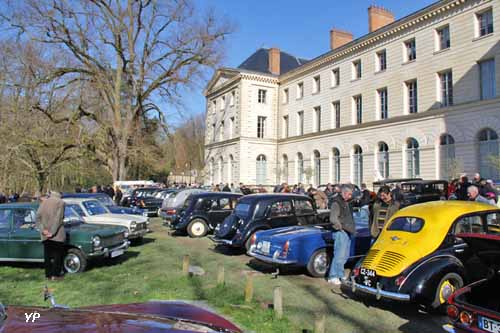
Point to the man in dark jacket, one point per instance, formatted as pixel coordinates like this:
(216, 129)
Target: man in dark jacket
(463, 185)
(383, 209)
(343, 222)
(50, 221)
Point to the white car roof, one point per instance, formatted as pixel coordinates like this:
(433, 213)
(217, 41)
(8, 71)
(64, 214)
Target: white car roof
(79, 200)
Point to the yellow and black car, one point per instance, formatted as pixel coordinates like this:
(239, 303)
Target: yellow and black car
(418, 256)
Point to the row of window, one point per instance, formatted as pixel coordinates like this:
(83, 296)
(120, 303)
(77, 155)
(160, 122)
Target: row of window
(445, 98)
(483, 24)
(232, 97)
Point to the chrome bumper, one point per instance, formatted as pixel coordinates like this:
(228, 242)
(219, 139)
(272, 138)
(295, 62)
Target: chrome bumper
(449, 328)
(221, 241)
(378, 292)
(270, 260)
(107, 251)
(138, 233)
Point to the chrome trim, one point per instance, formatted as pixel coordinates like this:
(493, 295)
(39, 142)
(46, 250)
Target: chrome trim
(106, 251)
(138, 233)
(270, 260)
(378, 292)
(22, 260)
(449, 328)
(221, 241)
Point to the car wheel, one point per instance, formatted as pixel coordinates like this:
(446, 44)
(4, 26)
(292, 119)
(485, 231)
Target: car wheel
(318, 264)
(447, 286)
(74, 261)
(197, 228)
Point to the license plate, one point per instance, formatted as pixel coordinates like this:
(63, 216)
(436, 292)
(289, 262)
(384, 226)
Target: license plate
(116, 253)
(489, 325)
(368, 277)
(265, 247)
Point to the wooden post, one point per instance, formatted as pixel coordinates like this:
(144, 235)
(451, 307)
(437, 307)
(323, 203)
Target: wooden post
(319, 324)
(220, 275)
(278, 302)
(185, 265)
(249, 289)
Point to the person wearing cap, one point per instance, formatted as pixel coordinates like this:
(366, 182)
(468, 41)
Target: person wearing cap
(50, 222)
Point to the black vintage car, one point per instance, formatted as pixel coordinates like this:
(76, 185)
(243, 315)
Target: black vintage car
(257, 212)
(137, 194)
(151, 202)
(203, 212)
(418, 191)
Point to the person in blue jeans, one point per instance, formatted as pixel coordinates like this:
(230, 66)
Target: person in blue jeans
(343, 223)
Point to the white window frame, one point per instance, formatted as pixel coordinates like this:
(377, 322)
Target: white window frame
(380, 104)
(357, 109)
(409, 51)
(262, 96)
(316, 84)
(477, 17)
(223, 103)
(232, 98)
(445, 89)
(286, 96)
(317, 118)
(379, 62)
(300, 90)
(335, 114)
(438, 34)
(300, 123)
(483, 93)
(408, 99)
(335, 77)
(261, 127)
(357, 74)
(286, 126)
(231, 127)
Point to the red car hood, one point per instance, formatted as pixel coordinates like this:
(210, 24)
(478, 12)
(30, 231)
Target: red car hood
(134, 318)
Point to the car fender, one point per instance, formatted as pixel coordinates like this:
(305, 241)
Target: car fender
(423, 278)
(252, 230)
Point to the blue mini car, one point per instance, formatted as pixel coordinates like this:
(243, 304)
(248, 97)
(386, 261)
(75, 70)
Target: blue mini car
(309, 247)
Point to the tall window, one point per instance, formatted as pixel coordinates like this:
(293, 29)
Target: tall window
(336, 114)
(383, 103)
(261, 97)
(358, 109)
(412, 158)
(317, 118)
(316, 84)
(232, 98)
(335, 77)
(381, 61)
(443, 38)
(221, 170)
(336, 165)
(221, 132)
(214, 105)
(261, 126)
(410, 50)
(383, 159)
(231, 127)
(446, 88)
(412, 96)
(485, 23)
(211, 171)
(356, 70)
(284, 168)
(488, 152)
(317, 168)
(223, 103)
(214, 132)
(285, 126)
(357, 165)
(261, 169)
(285, 96)
(300, 123)
(230, 169)
(300, 168)
(487, 79)
(447, 155)
(300, 90)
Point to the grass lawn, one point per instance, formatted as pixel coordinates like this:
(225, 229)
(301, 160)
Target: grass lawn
(153, 271)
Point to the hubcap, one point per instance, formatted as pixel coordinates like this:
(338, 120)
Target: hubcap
(447, 289)
(197, 229)
(320, 264)
(72, 263)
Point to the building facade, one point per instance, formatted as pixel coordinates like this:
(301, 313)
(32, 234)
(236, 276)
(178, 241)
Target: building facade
(415, 97)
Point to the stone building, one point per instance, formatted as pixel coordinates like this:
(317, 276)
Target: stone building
(413, 97)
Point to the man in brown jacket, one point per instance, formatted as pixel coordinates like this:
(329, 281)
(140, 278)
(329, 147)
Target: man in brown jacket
(50, 220)
(383, 209)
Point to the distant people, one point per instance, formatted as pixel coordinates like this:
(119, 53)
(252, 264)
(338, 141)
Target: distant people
(50, 222)
(491, 191)
(365, 196)
(245, 190)
(383, 209)
(286, 188)
(343, 222)
(476, 180)
(226, 188)
(3, 198)
(216, 188)
(118, 196)
(463, 185)
(319, 198)
(233, 188)
(25, 197)
(452, 189)
(473, 193)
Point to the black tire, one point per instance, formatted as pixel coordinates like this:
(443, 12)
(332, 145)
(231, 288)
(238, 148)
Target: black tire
(74, 261)
(318, 263)
(441, 295)
(197, 228)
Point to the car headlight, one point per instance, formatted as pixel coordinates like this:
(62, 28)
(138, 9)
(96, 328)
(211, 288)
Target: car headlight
(125, 234)
(145, 214)
(96, 241)
(133, 225)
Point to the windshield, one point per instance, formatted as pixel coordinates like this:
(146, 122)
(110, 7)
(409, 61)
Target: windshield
(408, 224)
(94, 207)
(76, 208)
(105, 200)
(242, 210)
(71, 215)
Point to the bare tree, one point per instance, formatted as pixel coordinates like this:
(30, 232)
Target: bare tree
(127, 57)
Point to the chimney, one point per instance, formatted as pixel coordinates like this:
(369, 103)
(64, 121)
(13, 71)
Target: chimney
(379, 17)
(274, 60)
(339, 38)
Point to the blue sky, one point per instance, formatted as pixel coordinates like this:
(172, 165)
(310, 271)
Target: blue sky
(300, 28)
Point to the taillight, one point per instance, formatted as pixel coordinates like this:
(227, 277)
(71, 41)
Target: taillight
(253, 239)
(465, 318)
(284, 252)
(399, 280)
(452, 312)
(171, 211)
(142, 203)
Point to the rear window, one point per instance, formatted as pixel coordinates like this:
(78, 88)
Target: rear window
(408, 224)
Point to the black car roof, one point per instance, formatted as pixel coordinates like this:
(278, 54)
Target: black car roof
(416, 182)
(83, 195)
(396, 180)
(271, 196)
(215, 194)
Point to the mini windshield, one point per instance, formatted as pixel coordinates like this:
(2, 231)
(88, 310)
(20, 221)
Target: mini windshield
(105, 200)
(94, 207)
(408, 224)
(242, 210)
(70, 214)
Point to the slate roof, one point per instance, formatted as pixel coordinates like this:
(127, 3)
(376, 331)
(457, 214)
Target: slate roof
(259, 62)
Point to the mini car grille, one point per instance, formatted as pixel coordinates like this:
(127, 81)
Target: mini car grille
(140, 226)
(370, 258)
(113, 240)
(388, 261)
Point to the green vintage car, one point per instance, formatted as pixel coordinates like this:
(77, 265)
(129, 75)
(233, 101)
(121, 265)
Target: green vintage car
(20, 238)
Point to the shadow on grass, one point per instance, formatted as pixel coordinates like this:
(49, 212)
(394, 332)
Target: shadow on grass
(227, 250)
(144, 241)
(266, 268)
(112, 261)
(177, 233)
